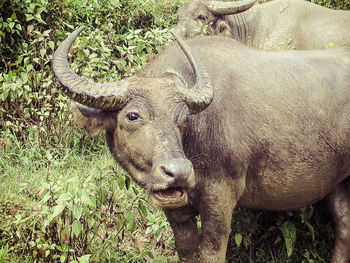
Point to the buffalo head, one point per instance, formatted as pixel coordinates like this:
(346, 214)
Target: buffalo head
(144, 119)
(197, 16)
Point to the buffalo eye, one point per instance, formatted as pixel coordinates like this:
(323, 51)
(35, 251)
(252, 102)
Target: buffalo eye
(132, 116)
(202, 17)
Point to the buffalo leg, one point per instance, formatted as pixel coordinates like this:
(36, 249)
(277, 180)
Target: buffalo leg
(216, 208)
(339, 203)
(184, 225)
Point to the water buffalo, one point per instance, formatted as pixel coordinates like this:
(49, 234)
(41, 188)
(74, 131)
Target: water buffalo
(205, 129)
(275, 25)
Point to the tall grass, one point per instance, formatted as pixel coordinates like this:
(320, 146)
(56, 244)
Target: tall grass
(62, 197)
(77, 206)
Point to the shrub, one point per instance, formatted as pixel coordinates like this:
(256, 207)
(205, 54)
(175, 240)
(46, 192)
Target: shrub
(337, 4)
(112, 48)
(50, 216)
(79, 209)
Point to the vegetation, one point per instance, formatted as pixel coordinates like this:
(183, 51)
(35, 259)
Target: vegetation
(336, 4)
(62, 197)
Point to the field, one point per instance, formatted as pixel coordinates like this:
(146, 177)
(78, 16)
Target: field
(62, 196)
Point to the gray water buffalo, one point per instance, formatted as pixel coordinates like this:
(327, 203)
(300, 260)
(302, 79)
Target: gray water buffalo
(211, 124)
(275, 25)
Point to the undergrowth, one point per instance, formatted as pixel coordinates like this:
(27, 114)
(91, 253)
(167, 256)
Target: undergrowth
(62, 197)
(77, 207)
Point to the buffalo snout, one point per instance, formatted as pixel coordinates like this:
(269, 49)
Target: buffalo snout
(178, 172)
(173, 178)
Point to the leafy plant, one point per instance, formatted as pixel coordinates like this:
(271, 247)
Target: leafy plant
(289, 233)
(259, 236)
(4, 253)
(80, 207)
(338, 4)
(30, 30)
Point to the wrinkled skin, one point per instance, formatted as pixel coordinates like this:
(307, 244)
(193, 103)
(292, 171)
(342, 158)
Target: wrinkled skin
(275, 136)
(275, 25)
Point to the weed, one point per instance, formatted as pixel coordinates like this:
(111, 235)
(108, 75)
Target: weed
(78, 208)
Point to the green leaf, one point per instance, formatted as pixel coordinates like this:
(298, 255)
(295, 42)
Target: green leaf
(149, 253)
(64, 197)
(45, 198)
(238, 239)
(84, 259)
(87, 200)
(4, 95)
(58, 209)
(77, 228)
(51, 45)
(36, 60)
(77, 211)
(42, 52)
(14, 16)
(91, 222)
(86, 52)
(311, 229)
(289, 233)
(48, 156)
(30, 28)
(63, 258)
(142, 208)
(47, 32)
(148, 230)
(39, 19)
(121, 182)
(136, 191)
(29, 17)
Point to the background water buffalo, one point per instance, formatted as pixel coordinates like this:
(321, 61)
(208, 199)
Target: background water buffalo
(232, 127)
(275, 25)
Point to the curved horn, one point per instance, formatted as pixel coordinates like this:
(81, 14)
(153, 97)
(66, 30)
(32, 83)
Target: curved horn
(201, 94)
(104, 96)
(229, 8)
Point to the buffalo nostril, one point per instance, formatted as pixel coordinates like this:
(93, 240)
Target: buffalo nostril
(168, 173)
(177, 169)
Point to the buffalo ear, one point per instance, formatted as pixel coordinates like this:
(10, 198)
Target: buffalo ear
(223, 28)
(92, 120)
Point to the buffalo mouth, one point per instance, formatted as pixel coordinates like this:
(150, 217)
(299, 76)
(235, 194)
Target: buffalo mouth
(171, 197)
